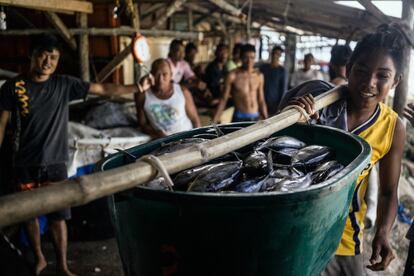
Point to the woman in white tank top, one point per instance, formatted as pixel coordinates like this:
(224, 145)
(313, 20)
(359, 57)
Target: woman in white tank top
(166, 107)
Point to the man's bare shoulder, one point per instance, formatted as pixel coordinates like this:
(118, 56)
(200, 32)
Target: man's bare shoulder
(232, 75)
(257, 72)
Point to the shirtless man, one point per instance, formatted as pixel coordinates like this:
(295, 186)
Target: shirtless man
(245, 85)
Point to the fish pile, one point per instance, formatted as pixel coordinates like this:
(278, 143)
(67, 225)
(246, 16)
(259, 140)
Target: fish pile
(282, 164)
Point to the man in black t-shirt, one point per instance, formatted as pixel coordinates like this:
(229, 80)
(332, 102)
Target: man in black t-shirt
(37, 105)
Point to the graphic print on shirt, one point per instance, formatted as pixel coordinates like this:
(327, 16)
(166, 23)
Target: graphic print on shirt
(22, 97)
(165, 115)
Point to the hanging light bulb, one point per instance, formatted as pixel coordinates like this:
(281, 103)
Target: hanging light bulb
(3, 23)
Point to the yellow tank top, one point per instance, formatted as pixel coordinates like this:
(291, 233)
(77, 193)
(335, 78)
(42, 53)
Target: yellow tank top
(378, 131)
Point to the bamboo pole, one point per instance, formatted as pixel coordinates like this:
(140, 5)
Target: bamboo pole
(25, 205)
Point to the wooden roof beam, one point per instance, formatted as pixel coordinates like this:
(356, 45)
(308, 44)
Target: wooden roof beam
(64, 32)
(171, 9)
(228, 8)
(374, 11)
(280, 28)
(323, 19)
(337, 12)
(113, 64)
(306, 26)
(206, 11)
(151, 10)
(54, 5)
(312, 21)
(381, 17)
(123, 30)
(222, 26)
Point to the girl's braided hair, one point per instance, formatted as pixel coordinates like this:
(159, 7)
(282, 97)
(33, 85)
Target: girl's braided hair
(388, 37)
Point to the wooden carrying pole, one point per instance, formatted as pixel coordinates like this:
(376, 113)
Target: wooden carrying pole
(25, 205)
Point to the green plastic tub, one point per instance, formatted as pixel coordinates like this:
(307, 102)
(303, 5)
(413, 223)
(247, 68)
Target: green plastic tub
(178, 233)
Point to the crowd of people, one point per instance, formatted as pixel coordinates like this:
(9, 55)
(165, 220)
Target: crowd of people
(236, 79)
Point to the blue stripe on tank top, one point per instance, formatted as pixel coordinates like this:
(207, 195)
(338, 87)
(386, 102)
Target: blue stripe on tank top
(354, 222)
(369, 122)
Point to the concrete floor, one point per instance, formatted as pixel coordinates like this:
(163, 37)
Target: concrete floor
(87, 258)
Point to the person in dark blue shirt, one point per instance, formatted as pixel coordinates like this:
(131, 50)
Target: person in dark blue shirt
(275, 80)
(216, 71)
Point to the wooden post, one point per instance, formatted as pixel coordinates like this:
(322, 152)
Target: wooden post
(84, 48)
(400, 96)
(222, 27)
(137, 68)
(190, 19)
(261, 47)
(134, 14)
(171, 9)
(290, 53)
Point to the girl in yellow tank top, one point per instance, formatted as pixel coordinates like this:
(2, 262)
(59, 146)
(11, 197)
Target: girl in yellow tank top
(373, 70)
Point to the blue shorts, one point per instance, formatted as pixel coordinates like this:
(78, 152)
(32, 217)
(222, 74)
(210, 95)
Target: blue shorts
(245, 117)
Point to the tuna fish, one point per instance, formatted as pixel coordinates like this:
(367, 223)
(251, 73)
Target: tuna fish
(310, 157)
(287, 184)
(250, 185)
(281, 164)
(281, 142)
(216, 178)
(183, 178)
(284, 156)
(326, 171)
(255, 164)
